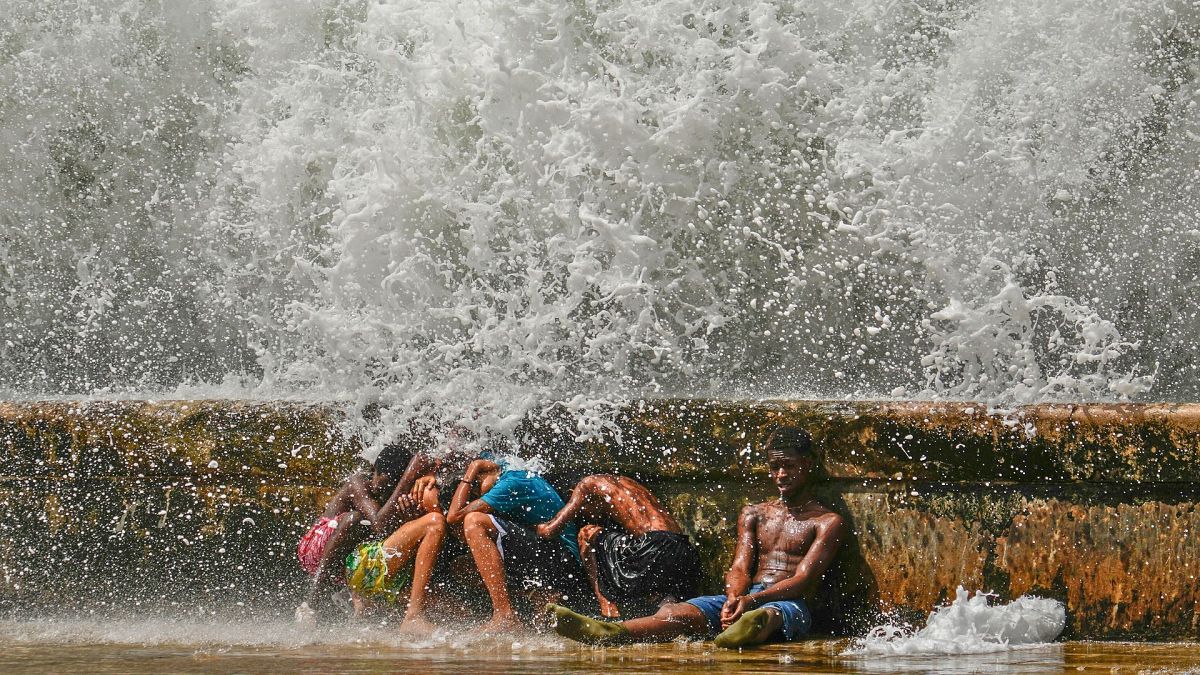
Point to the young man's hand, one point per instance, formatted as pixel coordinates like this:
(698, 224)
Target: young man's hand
(408, 508)
(421, 485)
(543, 530)
(735, 607)
(425, 493)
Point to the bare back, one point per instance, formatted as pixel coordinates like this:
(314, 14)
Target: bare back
(783, 537)
(344, 500)
(627, 503)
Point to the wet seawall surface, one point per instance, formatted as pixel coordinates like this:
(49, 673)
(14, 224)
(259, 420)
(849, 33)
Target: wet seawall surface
(190, 505)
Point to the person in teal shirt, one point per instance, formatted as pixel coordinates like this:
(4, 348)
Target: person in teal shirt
(525, 498)
(497, 526)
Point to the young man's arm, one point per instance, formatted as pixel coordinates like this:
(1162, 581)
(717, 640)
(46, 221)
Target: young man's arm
(425, 492)
(459, 506)
(360, 497)
(553, 527)
(419, 466)
(401, 506)
(343, 500)
(745, 557)
(831, 531)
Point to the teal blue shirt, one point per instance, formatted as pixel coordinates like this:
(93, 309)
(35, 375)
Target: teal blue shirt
(527, 499)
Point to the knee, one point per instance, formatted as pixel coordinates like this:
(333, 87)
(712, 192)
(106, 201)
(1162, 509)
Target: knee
(435, 522)
(672, 610)
(475, 524)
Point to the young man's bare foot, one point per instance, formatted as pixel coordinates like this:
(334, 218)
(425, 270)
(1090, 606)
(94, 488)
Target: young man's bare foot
(580, 628)
(502, 624)
(417, 626)
(751, 628)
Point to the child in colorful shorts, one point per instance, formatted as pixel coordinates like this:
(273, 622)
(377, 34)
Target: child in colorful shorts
(367, 505)
(379, 571)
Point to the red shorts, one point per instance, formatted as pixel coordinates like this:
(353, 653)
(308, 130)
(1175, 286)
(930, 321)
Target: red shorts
(312, 545)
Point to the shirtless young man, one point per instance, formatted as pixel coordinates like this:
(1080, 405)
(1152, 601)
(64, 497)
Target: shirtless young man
(651, 562)
(784, 547)
(384, 570)
(368, 505)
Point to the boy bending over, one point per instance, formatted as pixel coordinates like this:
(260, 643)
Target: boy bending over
(498, 529)
(643, 562)
(367, 506)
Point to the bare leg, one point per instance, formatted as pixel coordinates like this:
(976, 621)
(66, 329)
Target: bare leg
(427, 554)
(587, 536)
(668, 623)
(421, 538)
(480, 533)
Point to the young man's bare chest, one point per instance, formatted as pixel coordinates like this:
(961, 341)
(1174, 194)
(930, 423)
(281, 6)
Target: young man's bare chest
(783, 533)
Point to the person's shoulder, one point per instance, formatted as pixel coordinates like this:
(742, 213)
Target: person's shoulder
(508, 478)
(825, 510)
(522, 479)
(828, 518)
(756, 510)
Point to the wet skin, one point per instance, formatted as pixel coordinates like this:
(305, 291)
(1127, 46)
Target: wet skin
(471, 520)
(604, 498)
(383, 501)
(786, 544)
(783, 530)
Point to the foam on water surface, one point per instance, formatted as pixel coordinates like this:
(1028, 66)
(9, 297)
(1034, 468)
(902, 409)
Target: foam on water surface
(971, 625)
(145, 645)
(251, 633)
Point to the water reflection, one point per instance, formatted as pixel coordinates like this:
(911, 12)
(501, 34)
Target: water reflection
(1019, 660)
(148, 646)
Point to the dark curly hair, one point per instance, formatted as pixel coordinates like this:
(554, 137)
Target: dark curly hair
(393, 460)
(791, 440)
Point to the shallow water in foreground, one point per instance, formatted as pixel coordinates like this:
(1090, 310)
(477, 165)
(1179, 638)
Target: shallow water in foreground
(168, 646)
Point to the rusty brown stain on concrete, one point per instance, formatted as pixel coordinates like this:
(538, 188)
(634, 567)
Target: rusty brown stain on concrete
(916, 559)
(287, 442)
(1131, 568)
(53, 510)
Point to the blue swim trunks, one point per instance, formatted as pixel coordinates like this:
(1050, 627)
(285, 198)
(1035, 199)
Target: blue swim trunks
(796, 618)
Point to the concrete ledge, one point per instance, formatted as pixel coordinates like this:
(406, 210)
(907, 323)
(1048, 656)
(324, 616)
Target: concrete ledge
(926, 441)
(116, 505)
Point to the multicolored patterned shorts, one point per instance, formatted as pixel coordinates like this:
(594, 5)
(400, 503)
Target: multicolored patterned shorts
(367, 573)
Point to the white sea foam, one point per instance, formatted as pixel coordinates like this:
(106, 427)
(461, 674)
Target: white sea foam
(480, 208)
(970, 625)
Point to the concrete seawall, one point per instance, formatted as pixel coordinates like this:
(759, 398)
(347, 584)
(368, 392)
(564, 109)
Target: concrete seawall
(193, 505)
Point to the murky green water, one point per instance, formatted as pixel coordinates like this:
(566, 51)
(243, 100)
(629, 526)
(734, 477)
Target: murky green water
(168, 646)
